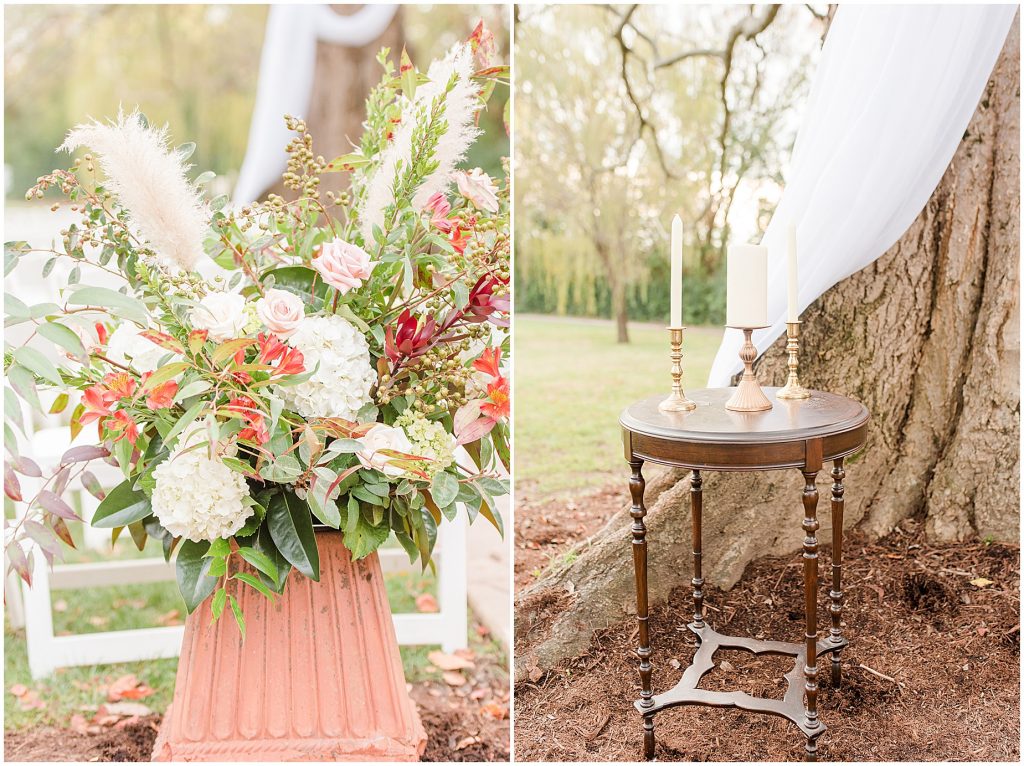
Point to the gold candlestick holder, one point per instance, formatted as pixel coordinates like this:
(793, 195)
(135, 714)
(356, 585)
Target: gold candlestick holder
(677, 401)
(748, 396)
(793, 389)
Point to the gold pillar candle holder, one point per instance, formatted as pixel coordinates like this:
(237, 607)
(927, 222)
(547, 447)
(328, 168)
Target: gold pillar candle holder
(748, 396)
(793, 389)
(677, 401)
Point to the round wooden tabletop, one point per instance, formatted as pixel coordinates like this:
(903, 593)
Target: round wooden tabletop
(790, 434)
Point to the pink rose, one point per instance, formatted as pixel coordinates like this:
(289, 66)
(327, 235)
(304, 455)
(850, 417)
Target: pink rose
(343, 265)
(478, 188)
(280, 311)
(439, 208)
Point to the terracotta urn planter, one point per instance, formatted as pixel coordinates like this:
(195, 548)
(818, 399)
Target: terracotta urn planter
(317, 678)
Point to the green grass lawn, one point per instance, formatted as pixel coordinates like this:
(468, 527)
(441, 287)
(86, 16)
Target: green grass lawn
(72, 690)
(571, 382)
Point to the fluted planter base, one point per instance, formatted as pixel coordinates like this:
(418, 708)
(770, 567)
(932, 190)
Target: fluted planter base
(317, 678)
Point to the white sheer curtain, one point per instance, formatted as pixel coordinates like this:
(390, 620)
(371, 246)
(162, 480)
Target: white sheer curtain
(893, 94)
(286, 80)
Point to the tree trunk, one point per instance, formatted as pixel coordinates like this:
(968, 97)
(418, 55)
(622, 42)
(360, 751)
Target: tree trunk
(927, 337)
(619, 310)
(341, 82)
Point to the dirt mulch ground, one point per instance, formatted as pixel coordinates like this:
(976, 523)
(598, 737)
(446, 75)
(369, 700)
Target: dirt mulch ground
(932, 672)
(468, 723)
(545, 527)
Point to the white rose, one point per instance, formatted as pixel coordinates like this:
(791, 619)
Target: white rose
(382, 437)
(223, 314)
(478, 188)
(280, 311)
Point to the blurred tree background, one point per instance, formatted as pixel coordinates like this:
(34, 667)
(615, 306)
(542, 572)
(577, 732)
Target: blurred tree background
(194, 67)
(624, 116)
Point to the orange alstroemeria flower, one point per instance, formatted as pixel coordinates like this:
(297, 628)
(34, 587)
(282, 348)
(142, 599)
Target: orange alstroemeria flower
(162, 396)
(489, 362)
(96, 404)
(122, 422)
(498, 404)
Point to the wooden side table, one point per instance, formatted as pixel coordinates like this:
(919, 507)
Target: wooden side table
(795, 433)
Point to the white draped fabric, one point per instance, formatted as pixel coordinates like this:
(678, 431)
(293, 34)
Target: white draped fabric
(893, 94)
(287, 66)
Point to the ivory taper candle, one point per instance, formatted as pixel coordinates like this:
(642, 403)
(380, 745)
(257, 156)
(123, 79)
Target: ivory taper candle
(793, 313)
(676, 292)
(746, 275)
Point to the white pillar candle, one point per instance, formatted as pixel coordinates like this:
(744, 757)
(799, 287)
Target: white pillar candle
(793, 312)
(746, 275)
(676, 284)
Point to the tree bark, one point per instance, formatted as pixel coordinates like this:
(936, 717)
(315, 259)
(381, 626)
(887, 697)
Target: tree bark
(337, 106)
(927, 337)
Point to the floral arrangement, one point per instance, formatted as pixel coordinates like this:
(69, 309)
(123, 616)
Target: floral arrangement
(332, 359)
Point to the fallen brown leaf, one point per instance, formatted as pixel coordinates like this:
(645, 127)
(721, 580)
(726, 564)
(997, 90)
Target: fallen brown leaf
(453, 678)
(449, 661)
(425, 602)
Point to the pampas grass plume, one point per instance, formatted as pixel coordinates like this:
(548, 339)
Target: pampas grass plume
(149, 180)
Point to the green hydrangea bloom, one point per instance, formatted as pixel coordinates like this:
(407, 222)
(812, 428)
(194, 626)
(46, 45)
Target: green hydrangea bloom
(429, 439)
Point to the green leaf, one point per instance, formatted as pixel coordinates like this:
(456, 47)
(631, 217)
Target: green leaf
(190, 415)
(24, 383)
(298, 280)
(205, 177)
(118, 303)
(291, 528)
(34, 360)
(236, 610)
(365, 538)
(229, 348)
(444, 489)
(218, 549)
(193, 569)
(260, 561)
(264, 543)
(64, 337)
(220, 598)
(253, 582)
(121, 507)
(164, 374)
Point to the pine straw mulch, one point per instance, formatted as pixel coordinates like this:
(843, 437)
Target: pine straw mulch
(932, 671)
(467, 723)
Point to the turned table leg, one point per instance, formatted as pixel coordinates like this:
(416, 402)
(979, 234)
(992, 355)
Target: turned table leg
(836, 594)
(638, 511)
(810, 526)
(696, 509)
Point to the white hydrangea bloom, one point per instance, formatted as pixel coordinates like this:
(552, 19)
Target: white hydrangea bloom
(196, 496)
(341, 385)
(126, 341)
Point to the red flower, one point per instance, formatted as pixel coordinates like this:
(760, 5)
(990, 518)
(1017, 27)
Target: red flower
(162, 396)
(292, 363)
(290, 360)
(489, 362)
(122, 422)
(458, 240)
(484, 304)
(101, 333)
(256, 427)
(96, 404)
(498, 404)
(406, 338)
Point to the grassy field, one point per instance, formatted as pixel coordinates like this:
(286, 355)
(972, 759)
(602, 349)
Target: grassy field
(571, 382)
(74, 690)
